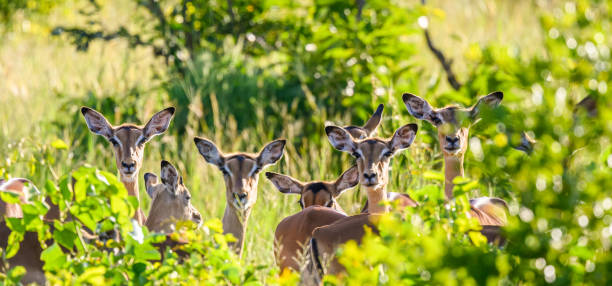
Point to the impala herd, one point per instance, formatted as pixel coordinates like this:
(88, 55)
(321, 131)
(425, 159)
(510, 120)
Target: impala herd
(307, 241)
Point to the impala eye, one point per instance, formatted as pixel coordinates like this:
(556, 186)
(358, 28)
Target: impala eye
(356, 155)
(388, 154)
(114, 142)
(225, 172)
(142, 141)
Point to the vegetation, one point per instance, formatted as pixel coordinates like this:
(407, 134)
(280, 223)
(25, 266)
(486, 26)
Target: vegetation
(247, 73)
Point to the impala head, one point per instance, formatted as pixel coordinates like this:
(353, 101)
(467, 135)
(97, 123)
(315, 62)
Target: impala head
(373, 154)
(367, 130)
(21, 186)
(170, 200)
(240, 170)
(453, 123)
(316, 193)
(128, 140)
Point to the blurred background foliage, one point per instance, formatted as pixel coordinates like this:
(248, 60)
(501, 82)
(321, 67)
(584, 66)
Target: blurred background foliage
(245, 72)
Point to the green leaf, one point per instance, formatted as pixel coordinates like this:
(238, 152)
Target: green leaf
(477, 238)
(10, 197)
(433, 175)
(59, 144)
(16, 273)
(13, 244)
(65, 234)
(92, 275)
(53, 257)
(232, 273)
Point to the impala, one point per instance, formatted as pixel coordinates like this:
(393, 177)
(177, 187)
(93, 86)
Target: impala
(453, 124)
(241, 174)
(366, 131)
(294, 231)
(128, 143)
(373, 157)
(170, 202)
(17, 186)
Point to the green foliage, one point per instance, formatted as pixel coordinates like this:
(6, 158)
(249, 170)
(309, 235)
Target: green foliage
(101, 204)
(8, 8)
(245, 74)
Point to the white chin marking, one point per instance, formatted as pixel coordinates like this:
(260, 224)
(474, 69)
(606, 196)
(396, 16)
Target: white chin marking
(240, 206)
(128, 178)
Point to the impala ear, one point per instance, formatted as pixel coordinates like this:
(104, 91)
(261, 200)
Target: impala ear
(374, 121)
(492, 100)
(158, 124)
(284, 183)
(150, 180)
(347, 180)
(169, 175)
(209, 151)
(97, 123)
(403, 137)
(271, 153)
(421, 109)
(340, 138)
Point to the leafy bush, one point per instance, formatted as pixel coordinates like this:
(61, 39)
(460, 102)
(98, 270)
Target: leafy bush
(99, 203)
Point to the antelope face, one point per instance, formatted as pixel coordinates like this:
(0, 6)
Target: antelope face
(374, 154)
(128, 140)
(171, 200)
(241, 170)
(453, 123)
(316, 193)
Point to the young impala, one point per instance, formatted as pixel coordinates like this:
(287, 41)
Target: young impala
(241, 174)
(373, 157)
(17, 186)
(294, 231)
(453, 124)
(128, 143)
(170, 202)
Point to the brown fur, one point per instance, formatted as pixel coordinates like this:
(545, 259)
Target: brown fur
(16, 186)
(128, 142)
(171, 201)
(373, 157)
(241, 174)
(330, 237)
(293, 232)
(403, 201)
(28, 256)
(453, 136)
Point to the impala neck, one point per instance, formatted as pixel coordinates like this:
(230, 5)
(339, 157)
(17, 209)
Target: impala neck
(453, 167)
(235, 222)
(376, 196)
(131, 184)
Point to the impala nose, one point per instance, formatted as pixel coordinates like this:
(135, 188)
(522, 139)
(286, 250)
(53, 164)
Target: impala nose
(452, 142)
(370, 178)
(128, 168)
(241, 199)
(197, 218)
(452, 139)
